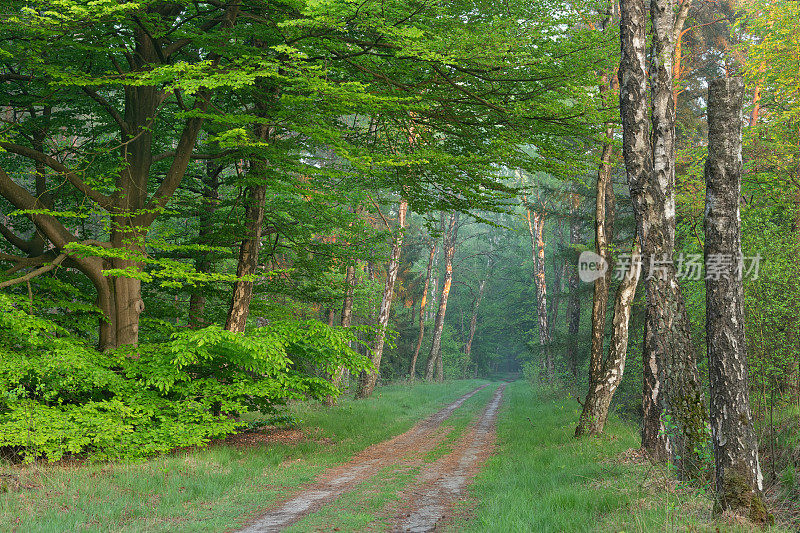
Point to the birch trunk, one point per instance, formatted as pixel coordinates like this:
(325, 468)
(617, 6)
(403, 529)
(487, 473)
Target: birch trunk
(738, 480)
(603, 385)
(536, 230)
(368, 380)
(602, 248)
(671, 383)
(434, 366)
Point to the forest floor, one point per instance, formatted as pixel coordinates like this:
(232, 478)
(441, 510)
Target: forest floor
(459, 456)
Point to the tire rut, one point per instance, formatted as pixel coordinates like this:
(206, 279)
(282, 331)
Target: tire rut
(444, 482)
(340, 479)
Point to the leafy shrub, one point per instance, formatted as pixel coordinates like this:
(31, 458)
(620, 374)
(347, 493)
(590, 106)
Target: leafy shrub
(60, 396)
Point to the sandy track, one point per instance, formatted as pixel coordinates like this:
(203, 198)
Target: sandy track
(443, 483)
(407, 447)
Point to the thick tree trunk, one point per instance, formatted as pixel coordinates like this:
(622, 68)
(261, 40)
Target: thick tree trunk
(255, 196)
(435, 366)
(574, 302)
(422, 306)
(738, 480)
(368, 380)
(671, 382)
(604, 384)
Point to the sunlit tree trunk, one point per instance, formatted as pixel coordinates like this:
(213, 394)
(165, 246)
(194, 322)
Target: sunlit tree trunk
(435, 365)
(738, 479)
(368, 380)
(535, 221)
(422, 307)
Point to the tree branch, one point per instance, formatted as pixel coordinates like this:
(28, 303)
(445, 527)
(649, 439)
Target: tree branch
(34, 273)
(105, 104)
(98, 197)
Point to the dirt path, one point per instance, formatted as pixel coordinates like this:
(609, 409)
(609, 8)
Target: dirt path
(407, 448)
(445, 481)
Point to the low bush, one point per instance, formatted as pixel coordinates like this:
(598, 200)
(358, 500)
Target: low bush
(60, 396)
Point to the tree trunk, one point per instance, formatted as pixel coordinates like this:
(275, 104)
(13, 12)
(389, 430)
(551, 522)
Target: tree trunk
(559, 272)
(431, 261)
(671, 382)
(346, 320)
(602, 248)
(738, 480)
(473, 321)
(603, 385)
(434, 366)
(536, 230)
(574, 302)
(432, 306)
(368, 380)
(202, 263)
(255, 196)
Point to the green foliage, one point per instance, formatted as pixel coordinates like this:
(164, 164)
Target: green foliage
(66, 398)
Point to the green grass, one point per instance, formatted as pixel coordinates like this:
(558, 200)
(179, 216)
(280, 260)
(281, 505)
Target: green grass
(213, 489)
(543, 479)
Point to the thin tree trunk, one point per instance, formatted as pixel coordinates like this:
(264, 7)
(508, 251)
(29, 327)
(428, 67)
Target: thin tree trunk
(432, 306)
(208, 206)
(473, 321)
(368, 380)
(431, 258)
(346, 320)
(435, 366)
(738, 479)
(559, 272)
(602, 248)
(603, 385)
(536, 230)
(574, 302)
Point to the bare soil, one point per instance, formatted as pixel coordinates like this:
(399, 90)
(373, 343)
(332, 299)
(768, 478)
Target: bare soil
(403, 450)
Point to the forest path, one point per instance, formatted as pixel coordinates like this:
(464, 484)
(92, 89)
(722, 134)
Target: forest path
(439, 486)
(428, 497)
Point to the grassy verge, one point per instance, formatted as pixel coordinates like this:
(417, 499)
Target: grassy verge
(543, 479)
(217, 488)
